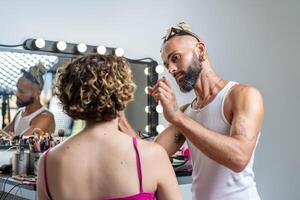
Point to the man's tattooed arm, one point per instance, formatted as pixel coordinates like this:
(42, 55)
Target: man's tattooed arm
(179, 138)
(240, 128)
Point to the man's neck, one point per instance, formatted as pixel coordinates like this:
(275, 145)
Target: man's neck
(32, 108)
(208, 85)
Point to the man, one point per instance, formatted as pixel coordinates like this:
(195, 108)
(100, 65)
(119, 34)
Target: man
(221, 125)
(31, 114)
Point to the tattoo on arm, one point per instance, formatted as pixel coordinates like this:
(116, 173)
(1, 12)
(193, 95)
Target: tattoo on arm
(179, 138)
(239, 128)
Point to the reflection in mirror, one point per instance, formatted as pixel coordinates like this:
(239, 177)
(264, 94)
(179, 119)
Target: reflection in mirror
(11, 64)
(135, 111)
(13, 60)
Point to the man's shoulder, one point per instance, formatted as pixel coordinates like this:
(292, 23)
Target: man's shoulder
(45, 114)
(243, 93)
(240, 90)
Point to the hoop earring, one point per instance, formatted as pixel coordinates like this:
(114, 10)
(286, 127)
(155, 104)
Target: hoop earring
(201, 59)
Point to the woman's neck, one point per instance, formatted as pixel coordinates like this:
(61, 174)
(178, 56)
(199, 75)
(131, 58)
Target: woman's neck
(111, 125)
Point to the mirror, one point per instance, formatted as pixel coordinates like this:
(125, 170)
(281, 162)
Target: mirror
(13, 60)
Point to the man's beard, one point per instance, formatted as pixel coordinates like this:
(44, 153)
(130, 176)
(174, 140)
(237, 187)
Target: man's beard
(188, 82)
(25, 103)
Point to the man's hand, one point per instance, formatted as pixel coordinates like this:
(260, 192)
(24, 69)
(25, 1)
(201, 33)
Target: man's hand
(6, 134)
(164, 93)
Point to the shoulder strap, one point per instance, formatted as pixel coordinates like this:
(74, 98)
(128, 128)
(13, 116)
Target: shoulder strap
(45, 175)
(138, 162)
(17, 116)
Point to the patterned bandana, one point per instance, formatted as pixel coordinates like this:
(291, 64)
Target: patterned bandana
(35, 74)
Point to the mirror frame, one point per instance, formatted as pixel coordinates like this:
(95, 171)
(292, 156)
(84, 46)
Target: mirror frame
(152, 116)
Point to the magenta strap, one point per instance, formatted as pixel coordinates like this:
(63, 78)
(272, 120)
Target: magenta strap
(138, 162)
(45, 175)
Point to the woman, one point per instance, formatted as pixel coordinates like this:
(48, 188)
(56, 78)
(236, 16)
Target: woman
(101, 162)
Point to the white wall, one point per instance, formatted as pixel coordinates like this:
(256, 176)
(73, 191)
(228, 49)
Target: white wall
(255, 42)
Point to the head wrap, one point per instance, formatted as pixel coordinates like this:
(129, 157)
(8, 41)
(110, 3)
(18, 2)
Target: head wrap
(180, 29)
(35, 74)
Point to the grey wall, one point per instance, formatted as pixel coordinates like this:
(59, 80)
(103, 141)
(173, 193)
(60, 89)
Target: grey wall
(254, 42)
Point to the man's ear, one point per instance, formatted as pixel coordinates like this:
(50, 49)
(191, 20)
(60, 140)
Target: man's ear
(37, 90)
(201, 49)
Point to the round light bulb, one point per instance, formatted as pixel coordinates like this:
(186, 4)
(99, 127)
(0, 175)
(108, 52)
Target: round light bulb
(160, 128)
(61, 46)
(101, 49)
(147, 109)
(147, 128)
(159, 69)
(119, 52)
(81, 47)
(146, 90)
(146, 71)
(159, 108)
(39, 43)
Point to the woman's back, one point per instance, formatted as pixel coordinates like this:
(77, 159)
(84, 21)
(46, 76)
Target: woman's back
(99, 163)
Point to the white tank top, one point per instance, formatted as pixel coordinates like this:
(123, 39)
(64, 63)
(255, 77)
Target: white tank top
(213, 181)
(23, 123)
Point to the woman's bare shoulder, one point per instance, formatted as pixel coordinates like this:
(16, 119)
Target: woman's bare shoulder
(152, 150)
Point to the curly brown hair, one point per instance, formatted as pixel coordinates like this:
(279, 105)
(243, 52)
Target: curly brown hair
(95, 87)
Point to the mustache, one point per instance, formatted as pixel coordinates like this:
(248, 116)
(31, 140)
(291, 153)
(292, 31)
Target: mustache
(22, 103)
(179, 73)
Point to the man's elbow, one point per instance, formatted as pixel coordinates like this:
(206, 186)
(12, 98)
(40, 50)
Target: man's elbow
(239, 164)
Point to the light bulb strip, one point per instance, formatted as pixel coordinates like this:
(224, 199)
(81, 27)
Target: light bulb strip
(71, 48)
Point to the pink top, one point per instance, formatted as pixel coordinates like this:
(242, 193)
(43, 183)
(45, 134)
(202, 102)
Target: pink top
(140, 196)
